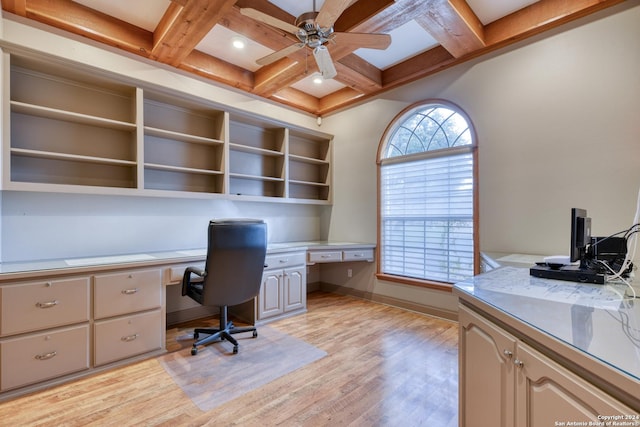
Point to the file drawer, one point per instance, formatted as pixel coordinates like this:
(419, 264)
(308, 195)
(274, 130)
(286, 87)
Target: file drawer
(123, 293)
(124, 337)
(358, 255)
(284, 260)
(39, 357)
(46, 304)
(325, 256)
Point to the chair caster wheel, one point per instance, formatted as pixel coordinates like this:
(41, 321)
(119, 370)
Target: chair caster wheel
(255, 334)
(194, 351)
(235, 349)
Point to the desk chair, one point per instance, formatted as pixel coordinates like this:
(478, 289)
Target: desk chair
(232, 274)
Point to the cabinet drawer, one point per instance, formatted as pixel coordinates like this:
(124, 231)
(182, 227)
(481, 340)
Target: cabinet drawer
(325, 256)
(43, 356)
(39, 305)
(284, 260)
(124, 337)
(358, 255)
(174, 274)
(124, 293)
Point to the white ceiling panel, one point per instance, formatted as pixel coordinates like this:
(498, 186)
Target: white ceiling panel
(492, 10)
(219, 43)
(406, 41)
(141, 13)
(324, 88)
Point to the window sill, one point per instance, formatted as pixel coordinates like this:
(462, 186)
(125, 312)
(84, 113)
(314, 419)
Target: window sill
(430, 284)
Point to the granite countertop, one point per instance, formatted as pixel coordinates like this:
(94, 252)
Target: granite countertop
(10, 270)
(596, 320)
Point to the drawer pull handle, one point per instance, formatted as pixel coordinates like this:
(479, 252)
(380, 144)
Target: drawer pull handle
(325, 256)
(519, 363)
(282, 261)
(129, 338)
(46, 356)
(357, 255)
(508, 353)
(47, 304)
(130, 291)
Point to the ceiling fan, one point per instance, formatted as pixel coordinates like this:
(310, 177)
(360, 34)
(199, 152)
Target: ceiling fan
(315, 30)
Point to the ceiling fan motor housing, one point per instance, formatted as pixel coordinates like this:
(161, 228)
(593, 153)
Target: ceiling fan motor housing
(310, 32)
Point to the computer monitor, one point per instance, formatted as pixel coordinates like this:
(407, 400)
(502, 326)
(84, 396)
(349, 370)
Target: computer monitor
(580, 236)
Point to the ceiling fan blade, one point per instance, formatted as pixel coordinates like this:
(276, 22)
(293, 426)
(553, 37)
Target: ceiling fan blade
(365, 40)
(331, 11)
(269, 20)
(325, 63)
(279, 54)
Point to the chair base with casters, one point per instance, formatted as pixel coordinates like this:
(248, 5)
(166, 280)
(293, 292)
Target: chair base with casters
(224, 332)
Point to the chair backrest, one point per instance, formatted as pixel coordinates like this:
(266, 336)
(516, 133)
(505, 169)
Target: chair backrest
(235, 261)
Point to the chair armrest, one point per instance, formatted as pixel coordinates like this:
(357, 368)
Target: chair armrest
(186, 277)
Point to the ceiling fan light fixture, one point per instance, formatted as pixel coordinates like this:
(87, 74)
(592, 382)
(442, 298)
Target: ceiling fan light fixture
(325, 63)
(317, 79)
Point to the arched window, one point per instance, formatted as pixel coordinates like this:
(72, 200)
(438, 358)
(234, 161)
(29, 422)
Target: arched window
(427, 181)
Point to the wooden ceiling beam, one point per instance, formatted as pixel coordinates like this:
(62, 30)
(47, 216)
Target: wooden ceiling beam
(183, 27)
(78, 19)
(454, 25)
(539, 17)
(337, 99)
(358, 74)
(216, 69)
(297, 99)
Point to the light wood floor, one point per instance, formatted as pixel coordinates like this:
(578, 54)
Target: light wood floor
(384, 367)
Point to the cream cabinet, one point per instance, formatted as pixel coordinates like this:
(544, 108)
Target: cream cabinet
(506, 382)
(150, 142)
(44, 330)
(55, 329)
(127, 312)
(284, 288)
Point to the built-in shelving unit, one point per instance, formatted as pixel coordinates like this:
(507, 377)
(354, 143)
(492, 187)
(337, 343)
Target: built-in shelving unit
(75, 131)
(256, 158)
(69, 130)
(183, 146)
(309, 166)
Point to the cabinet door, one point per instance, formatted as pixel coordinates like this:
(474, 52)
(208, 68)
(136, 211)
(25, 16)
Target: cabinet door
(486, 373)
(295, 289)
(271, 299)
(548, 394)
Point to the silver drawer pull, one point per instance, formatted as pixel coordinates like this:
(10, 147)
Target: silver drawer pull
(508, 353)
(129, 338)
(519, 363)
(47, 304)
(282, 261)
(130, 291)
(325, 256)
(46, 356)
(357, 255)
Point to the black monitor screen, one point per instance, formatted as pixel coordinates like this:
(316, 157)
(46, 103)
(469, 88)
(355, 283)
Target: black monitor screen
(580, 235)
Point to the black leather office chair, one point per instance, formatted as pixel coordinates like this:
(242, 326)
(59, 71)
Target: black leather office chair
(232, 274)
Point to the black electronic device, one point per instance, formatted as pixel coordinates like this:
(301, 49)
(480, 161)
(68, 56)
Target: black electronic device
(579, 251)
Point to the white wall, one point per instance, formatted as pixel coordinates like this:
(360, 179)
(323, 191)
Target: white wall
(558, 125)
(49, 225)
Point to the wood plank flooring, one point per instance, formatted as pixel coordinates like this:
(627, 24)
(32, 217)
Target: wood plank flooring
(384, 367)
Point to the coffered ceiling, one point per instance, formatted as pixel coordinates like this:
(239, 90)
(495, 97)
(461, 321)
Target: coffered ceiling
(197, 35)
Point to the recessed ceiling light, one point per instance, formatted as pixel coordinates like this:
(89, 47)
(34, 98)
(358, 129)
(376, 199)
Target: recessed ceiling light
(317, 80)
(238, 42)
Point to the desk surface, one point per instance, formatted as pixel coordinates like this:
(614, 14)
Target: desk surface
(594, 320)
(13, 270)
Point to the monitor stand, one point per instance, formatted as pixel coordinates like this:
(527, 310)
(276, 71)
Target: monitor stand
(570, 273)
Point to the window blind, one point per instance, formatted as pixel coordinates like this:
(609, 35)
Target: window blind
(427, 218)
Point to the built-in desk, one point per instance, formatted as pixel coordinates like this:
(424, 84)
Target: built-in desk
(539, 352)
(62, 319)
